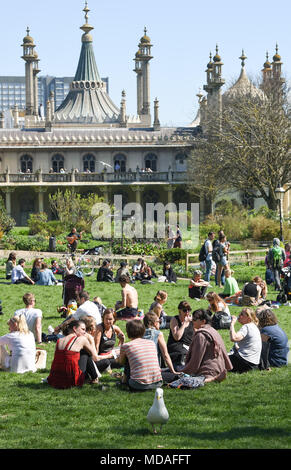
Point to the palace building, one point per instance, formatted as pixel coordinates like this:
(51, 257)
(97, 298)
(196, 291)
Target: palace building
(92, 144)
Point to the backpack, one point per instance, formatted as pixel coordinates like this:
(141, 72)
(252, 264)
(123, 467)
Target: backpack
(216, 254)
(202, 253)
(277, 255)
(221, 321)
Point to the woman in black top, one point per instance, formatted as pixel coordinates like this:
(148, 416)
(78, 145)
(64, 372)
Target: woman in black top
(35, 269)
(181, 334)
(105, 338)
(169, 273)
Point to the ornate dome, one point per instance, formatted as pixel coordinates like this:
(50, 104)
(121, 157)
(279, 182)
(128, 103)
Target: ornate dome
(243, 86)
(28, 40)
(277, 57)
(145, 39)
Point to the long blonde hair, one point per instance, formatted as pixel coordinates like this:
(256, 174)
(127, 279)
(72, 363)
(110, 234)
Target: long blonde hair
(251, 314)
(214, 297)
(20, 323)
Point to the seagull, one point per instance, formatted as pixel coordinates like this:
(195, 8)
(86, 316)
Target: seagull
(158, 413)
(106, 164)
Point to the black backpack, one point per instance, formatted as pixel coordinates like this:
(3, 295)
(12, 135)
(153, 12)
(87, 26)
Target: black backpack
(202, 253)
(216, 253)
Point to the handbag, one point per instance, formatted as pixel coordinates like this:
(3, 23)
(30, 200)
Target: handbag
(221, 321)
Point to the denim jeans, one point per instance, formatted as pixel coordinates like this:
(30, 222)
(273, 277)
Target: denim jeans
(208, 270)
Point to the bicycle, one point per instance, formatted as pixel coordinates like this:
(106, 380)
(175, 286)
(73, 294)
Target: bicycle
(88, 261)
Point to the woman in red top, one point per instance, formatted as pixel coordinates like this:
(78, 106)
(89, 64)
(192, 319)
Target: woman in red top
(66, 370)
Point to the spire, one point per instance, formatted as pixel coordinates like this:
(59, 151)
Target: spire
(243, 57)
(87, 67)
(87, 102)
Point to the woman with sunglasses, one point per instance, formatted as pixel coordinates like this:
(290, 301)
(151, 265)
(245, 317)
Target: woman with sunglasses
(246, 352)
(181, 334)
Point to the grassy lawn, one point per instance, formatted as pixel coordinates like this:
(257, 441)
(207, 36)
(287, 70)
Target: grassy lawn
(249, 411)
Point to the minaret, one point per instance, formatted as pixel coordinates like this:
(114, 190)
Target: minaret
(277, 68)
(123, 110)
(29, 58)
(145, 57)
(214, 83)
(139, 82)
(267, 71)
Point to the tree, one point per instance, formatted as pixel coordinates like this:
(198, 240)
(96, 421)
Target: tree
(248, 149)
(6, 222)
(72, 208)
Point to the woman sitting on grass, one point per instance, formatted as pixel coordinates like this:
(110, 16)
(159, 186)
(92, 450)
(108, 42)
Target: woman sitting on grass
(181, 334)
(10, 264)
(246, 352)
(20, 341)
(140, 360)
(274, 340)
(207, 355)
(153, 333)
(157, 307)
(254, 292)
(69, 368)
(230, 286)
(216, 303)
(105, 337)
(45, 276)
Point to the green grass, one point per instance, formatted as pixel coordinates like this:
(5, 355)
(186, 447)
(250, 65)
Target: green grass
(249, 411)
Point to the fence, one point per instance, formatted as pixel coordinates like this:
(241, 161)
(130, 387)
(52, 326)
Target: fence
(235, 257)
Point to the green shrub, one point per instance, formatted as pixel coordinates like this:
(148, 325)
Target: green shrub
(37, 223)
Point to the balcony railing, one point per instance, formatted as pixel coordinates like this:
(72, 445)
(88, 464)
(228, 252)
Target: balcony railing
(76, 177)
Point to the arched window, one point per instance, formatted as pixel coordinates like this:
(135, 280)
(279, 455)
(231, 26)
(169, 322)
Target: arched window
(150, 161)
(89, 163)
(120, 163)
(57, 163)
(181, 161)
(26, 164)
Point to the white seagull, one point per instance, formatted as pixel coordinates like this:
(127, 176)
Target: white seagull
(158, 413)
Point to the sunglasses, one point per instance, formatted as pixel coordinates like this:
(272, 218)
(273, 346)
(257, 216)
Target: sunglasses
(186, 310)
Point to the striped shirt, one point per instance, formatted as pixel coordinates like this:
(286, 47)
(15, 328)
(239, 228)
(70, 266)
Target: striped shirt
(143, 361)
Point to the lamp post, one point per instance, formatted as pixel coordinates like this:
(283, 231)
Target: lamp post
(280, 196)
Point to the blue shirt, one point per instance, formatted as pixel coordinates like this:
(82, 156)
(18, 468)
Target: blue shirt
(45, 278)
(278, 341)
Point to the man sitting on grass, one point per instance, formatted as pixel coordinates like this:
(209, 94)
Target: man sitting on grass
(128, 306)
(19, 276)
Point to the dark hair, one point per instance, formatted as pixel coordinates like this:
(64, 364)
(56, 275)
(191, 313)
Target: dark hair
(122, 264)
(84, 295)
(22, 260)
(106, 261)
(124, 278)
(211, 233)
(73, 324)
(109, 311)
(12, 256)
(43, 266)
(135, 329)
(184, 304)
(202, 314)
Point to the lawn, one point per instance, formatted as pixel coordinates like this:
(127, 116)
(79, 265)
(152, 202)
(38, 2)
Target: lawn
(249, 411)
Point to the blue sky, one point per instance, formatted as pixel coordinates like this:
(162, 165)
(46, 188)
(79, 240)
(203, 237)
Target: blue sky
(182, 33)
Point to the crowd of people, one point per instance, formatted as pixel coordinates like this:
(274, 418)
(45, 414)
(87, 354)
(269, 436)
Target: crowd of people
(89, 343)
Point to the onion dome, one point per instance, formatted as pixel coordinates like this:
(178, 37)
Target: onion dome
(243, 86)
(145, 39)
(210, 63)
(267, 64)
(217, 57)
(28, 40)
(277, 57)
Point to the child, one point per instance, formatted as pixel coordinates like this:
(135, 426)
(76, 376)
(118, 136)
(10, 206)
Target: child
(231, 286)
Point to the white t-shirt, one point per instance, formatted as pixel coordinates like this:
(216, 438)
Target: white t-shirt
(249, 348)
(17, 273)
(90, 309)
(23, 351)
(31, 314)
(208, 245)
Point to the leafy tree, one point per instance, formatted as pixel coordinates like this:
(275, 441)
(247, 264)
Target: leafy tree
(74, 209)
(6, 222)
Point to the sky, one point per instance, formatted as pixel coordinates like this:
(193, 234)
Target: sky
(183, 33)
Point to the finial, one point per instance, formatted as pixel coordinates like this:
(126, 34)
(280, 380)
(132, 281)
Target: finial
(123, 94)
(145, 30)
(277, 48)
(243, 58)
(27, 30)
(86, 10)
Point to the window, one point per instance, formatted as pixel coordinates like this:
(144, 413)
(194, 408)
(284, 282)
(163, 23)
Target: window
(89, 163)
(120, 163)
(26, 164)
(181, 161)
(150, 161)
(57, 163)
